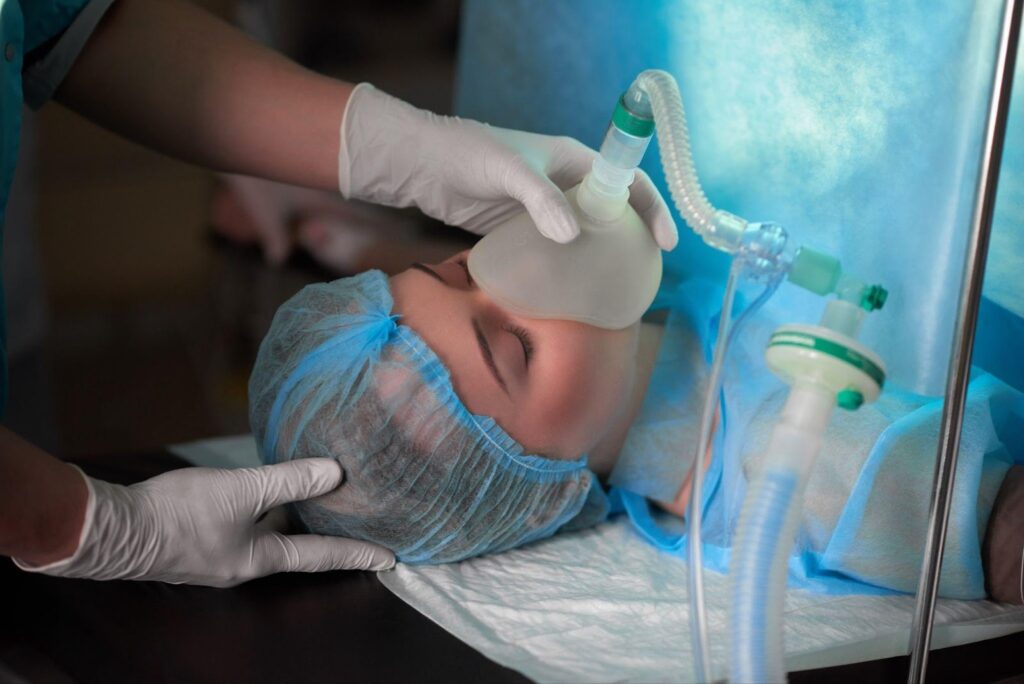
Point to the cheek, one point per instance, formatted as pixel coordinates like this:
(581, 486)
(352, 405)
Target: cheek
(579, 393)
(438, 316)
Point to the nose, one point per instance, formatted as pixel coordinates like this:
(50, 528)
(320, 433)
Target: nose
(484, 306)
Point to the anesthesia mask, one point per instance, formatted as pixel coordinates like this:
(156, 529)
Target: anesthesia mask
(607, 276)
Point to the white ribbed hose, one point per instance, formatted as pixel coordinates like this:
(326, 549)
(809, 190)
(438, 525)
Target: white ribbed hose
(767, 530)
(720, 229)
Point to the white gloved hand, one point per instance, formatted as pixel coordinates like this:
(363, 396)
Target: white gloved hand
(469, 174)
(199, 526)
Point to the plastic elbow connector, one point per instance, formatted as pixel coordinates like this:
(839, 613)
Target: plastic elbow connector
(725, 232)
(605, 189)
(823, 275)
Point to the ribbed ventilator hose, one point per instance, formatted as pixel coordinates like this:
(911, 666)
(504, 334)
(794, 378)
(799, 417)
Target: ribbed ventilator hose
(674, 144)
(767, 529)
(768, 524)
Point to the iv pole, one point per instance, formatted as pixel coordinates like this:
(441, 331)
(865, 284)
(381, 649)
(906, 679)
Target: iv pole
(963, 340)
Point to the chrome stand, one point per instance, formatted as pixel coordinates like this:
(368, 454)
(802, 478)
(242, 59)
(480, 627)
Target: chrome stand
(963, 340)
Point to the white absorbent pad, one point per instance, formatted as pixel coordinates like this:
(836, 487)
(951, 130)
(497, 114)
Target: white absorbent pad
(602, 605)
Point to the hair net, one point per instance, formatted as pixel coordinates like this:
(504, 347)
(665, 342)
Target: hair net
(337, 376)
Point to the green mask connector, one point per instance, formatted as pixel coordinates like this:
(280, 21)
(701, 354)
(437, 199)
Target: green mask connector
(815, 271)
(633, 123)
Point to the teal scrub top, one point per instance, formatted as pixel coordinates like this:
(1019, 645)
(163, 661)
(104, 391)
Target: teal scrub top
(25, 26)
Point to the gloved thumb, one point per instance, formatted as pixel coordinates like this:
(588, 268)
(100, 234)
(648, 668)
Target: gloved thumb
(650, 205)
(315, 553)
(296, 480)
(547, 205)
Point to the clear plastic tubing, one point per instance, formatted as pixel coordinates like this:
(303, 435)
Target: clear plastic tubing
(727, 331)
(695, 551)
(767, 528)
(657, 92)
(655, 95)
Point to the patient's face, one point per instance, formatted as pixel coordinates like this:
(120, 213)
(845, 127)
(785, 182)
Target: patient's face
(554, 386)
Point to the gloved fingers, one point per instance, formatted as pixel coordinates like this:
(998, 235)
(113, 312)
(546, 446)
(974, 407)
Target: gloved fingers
(571, 160)
(548, 207)
(650, 205)
(481, 217)
(274, 520)
(296, 480)
(314, 553)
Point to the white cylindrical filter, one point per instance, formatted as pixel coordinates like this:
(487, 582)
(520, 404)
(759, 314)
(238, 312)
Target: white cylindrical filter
(829, 359)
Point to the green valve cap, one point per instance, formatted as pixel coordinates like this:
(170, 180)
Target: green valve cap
(850, 399)
(873, 298)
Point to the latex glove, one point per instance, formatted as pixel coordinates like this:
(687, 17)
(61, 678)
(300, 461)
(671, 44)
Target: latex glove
(469, 174)
(199, 526)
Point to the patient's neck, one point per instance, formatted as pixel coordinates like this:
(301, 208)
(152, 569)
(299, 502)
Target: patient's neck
(603, 456)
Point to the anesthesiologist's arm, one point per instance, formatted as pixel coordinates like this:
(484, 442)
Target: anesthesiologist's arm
(193, 525)
(42, 503)
(175, 78)
(171, 76)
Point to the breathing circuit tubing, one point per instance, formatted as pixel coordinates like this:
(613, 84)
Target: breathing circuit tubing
(824, 364)
(757, 250)
(727, 331)
(656, 91)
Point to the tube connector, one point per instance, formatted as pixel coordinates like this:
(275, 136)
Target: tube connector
(843, 317)
(815, 271)
(725, 232)
(605, 190)
(823, 275)
(761, 251)
(633, 115)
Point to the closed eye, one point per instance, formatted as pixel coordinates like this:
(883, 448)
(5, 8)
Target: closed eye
(465, 267)
(525, 340)
(429, 271)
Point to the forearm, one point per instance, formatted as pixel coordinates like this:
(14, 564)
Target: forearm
(42, 503)
(177, 79)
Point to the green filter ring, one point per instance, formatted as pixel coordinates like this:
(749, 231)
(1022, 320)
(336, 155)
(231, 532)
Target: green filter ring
(789, 338)
(628, 122)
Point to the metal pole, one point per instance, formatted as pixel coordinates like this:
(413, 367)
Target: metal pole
(963, 340)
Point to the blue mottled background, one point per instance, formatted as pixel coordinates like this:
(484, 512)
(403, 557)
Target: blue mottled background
(856, 125)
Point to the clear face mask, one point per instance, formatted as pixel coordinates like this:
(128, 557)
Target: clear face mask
(608, 276)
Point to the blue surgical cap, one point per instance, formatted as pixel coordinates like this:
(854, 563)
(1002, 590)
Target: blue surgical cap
(337, 376)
